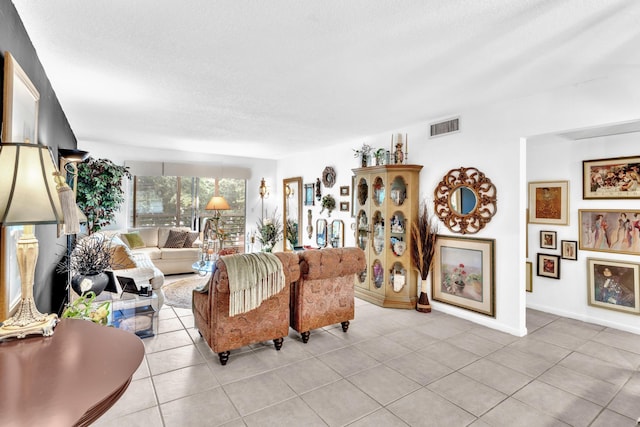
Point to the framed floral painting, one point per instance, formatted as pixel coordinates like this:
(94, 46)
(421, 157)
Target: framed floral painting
(463, 273)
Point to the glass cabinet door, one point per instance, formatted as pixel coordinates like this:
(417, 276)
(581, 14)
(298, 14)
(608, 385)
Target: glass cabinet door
(398, 192)
(378, 191)
(398, 231)
(378, 273)
(363, 230)
(363, 191)
(378, 232)
(398, 277)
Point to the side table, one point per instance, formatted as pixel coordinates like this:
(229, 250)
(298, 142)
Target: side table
(68, 379)
(132, 312)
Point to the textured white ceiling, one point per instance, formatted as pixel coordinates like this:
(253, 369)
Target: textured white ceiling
(272, 78)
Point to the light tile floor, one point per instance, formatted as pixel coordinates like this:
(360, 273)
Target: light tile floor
(392, 368)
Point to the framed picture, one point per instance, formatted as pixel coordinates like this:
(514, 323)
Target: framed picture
(610, 230)
(613, 285)
(569, 249)
(463, 273)
(528, 277)
(549, 266)
(344, 190)
(549, 202)
(309, 193)
(615, 178)
(353, 193)
(344, 206)
(548, 240)
(21, 101)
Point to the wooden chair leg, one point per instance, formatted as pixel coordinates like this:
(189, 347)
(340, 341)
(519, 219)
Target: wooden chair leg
(305, 336)
(278, 343)
(224, 357)
(345, 326)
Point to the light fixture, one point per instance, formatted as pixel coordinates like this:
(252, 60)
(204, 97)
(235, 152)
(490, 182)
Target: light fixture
(31, 192)
(264, 194)
(216, 204)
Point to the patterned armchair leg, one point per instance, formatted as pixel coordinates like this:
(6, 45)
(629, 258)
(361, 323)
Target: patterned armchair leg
(224, 357)
(345, 326)
(278, 343)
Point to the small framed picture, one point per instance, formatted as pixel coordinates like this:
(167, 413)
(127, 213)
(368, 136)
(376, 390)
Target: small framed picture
(528, 277)
(548, 240)
(614, 285)
(309, 193)
(344, 190)
(344, 206)
(549, 202)
(548, 266)
(569, 249)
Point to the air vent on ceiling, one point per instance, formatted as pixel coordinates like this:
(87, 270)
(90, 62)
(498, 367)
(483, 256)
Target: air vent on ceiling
(442, 128)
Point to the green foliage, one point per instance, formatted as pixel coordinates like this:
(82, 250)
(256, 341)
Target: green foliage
(292, 232)
(100, 192)
(270, 231)
(84, 308)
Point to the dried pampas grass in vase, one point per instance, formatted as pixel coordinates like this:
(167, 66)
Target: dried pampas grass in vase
(423, 241)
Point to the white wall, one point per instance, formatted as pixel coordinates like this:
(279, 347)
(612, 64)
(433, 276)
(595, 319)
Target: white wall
(492, 139)
(551, 157)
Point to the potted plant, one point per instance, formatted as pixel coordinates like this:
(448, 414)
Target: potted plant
(99, 192)
(364, 154)
(269, 232)
(83, 308)
(423, 241)
(87, 262)
(328, 203)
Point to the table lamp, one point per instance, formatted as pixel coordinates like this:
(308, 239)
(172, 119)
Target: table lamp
(217, 204)
(31, 192)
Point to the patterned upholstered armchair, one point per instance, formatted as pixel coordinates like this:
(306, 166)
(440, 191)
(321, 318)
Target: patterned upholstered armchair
(269, 321)
(324, 295)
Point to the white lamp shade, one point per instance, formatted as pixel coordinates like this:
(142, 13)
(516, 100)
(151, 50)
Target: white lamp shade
(217, 203)
(28, 193)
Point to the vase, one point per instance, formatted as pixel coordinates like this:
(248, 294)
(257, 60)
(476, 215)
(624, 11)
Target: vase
(423, 305)
(82, 283)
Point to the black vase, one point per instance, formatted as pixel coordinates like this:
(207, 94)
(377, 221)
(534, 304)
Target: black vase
(83, 284)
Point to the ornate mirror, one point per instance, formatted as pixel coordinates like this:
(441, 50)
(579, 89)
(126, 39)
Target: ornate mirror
(465, 200)
(292, 221)
(337, 233)
(321, 233)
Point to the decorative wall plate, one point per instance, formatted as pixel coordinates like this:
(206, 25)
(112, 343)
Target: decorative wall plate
(328, 177)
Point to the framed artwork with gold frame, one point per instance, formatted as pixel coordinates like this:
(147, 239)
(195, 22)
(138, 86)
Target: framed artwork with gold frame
(549, 202)
(614, 285)
(21, 103)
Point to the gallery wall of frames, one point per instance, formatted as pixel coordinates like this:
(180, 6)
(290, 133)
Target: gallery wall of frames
(583, 228)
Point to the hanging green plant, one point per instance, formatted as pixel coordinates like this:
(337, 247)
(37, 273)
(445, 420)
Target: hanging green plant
(328, 203)
(100, 191)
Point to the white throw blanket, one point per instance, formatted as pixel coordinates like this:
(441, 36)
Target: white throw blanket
(253, 278)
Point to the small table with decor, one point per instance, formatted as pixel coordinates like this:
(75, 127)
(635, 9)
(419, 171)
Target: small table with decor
(204, 267)
(68, 379)
(132, 312)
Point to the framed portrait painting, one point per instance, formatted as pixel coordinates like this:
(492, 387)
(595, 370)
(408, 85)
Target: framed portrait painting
(463, 273)
(548, 240)
(549, 202)
(548, 266)
(615, 178)
(569, 249)
(614, 285)
(610, 230)
(21, 103)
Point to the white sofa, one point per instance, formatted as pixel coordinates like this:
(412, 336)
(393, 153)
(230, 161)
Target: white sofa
(166, 259)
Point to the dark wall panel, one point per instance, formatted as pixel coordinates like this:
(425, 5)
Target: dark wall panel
(54, 131)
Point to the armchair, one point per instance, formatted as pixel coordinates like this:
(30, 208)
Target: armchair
(269, 321)
(324, 295)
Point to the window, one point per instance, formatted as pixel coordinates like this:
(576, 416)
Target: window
(180, 201)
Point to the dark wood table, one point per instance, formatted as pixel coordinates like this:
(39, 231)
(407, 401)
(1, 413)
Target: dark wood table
(69, 378)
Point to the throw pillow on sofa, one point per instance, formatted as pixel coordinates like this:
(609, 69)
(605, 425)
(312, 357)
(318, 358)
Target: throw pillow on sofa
(192, 236)
(134, 240)
(122, 258)
(176, 239)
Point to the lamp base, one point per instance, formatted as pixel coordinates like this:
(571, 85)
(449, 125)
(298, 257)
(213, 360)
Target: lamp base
(28, 321)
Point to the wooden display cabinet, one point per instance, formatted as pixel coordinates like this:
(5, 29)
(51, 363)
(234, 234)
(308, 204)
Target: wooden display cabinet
(386, 203)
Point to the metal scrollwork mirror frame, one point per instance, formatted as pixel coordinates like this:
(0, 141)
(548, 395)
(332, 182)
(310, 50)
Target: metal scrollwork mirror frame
(484, 209)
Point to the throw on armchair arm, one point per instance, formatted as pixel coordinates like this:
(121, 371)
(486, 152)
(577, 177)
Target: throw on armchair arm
(324, 295)
(268, 321)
